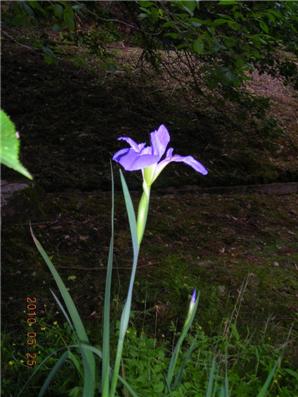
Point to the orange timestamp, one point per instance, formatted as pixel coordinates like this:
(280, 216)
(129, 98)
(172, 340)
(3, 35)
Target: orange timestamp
(31, 336)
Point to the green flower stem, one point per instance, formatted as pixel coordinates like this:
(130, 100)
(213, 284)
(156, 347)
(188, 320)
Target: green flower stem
(187, 324)
(143, 212)
(140, 228)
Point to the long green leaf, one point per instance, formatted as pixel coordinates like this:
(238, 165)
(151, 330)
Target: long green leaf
(131, 215)
(107, 300)
(52, 373)
(61, 307)
(185, 360)
(123, 381)
(38, 367)
(226, 385)
(76, 363)
(211, 379)
(88, 359)
(269, 379)
(127, 306)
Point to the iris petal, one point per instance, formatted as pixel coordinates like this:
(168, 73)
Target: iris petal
(189, 160)
(140, 156)
(117, 156)
(192, 162)
(159, 141)
(137, 147)
(132, 161)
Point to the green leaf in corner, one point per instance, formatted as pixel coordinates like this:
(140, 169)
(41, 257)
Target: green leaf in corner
(10, 145)
(69, 17)
(198, 46)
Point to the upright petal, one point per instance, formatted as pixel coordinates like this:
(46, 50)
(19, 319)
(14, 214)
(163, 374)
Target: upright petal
(159, 141)
(132, 161)
(136, 146)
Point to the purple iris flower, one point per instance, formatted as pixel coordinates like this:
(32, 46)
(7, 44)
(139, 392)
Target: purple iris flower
(156, 156)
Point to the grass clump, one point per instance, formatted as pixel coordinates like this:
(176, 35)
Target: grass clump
(246, 362)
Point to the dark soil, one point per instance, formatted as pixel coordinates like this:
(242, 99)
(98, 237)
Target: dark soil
(69, 118)
(212, 242)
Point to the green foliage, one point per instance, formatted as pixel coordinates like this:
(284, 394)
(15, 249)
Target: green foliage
(52, 336)
(172, 385)
(10, 146)
(145, 362)
(248, 365)
(60, 14)
(227, 37)
(75, 323)
(65, 18)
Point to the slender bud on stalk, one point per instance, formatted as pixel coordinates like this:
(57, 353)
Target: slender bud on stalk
(192, 304)
(194, 296)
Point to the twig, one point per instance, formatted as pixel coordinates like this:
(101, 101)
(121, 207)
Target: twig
(17, 42)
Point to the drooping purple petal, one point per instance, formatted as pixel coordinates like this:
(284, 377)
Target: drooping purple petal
(133, 161)
(192, 162)
(189, 160)
(159, 141)
(122, 152)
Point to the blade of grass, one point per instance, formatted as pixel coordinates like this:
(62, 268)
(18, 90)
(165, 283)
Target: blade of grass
(123, 381)
(52, 373)
(62, 309)
(131, 215)
(215, 385)
(76, 363)
(88, 359)
(269, 379)
(107, 303)
(211, 379)
(224, 388)
(186, 359)
(37, 368)
(187, 324)
(226, 385)
(127, 306)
